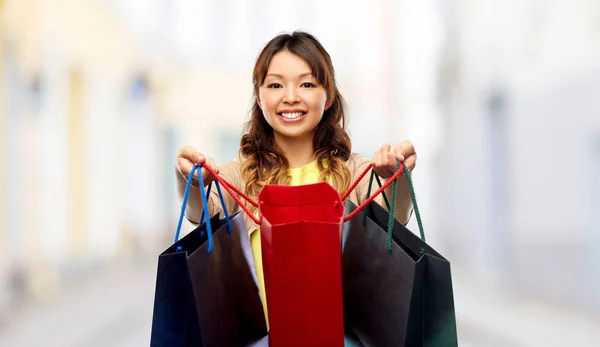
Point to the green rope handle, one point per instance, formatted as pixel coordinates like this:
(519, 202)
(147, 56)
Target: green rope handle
(411, 190)
(385, 199)
(391, 207)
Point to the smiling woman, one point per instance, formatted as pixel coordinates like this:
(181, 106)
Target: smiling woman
(296, 135)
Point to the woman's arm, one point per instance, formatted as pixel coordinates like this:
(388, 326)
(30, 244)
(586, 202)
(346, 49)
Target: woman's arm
(404, 205)
(230, 171)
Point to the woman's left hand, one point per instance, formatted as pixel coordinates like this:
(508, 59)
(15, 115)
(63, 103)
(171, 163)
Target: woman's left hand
(384, 160)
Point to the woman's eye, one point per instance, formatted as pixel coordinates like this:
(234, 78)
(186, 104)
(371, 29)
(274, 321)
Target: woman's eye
(274, 85)
(308, 85)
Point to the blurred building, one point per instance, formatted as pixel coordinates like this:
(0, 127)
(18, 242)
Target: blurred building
(518, 171)
(82, 145)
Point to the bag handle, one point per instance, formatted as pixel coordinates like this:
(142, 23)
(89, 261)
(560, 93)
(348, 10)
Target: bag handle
(392, 207)
(207, 194)
(234, 192)
(370, 198)
(205, 211)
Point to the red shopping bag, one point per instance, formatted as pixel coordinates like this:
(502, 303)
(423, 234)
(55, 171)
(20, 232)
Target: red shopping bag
(301, 240)
(301, 231)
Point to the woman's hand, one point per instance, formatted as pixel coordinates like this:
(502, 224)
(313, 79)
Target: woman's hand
(384, 160)
(187, 157)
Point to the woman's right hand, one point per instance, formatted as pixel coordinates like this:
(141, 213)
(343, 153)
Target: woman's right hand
(187, 157)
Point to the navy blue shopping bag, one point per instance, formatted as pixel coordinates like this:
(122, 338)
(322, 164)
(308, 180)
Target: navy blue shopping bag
(205, 293)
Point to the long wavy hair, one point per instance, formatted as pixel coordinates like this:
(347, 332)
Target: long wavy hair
(261, 162)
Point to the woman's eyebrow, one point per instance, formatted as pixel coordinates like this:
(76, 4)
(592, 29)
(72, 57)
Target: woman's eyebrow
(281, 76)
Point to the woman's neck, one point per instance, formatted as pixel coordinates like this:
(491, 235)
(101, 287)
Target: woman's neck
(298, 151)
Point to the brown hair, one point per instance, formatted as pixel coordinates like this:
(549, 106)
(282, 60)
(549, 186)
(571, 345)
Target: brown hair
(262, 163)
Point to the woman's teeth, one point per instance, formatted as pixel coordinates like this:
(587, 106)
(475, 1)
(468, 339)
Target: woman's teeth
(292, 115)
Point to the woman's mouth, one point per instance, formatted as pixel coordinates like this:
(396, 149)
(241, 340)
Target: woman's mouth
(291, 115)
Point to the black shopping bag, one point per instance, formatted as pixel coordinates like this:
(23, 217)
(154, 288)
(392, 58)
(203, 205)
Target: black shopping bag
(227, 296)
(397, 289)
(175, 319)
(206, 294)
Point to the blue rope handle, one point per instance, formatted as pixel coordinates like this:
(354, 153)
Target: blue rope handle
(207, 194)
(186, 194)
(205, 212)
(229, 227)
(227, 218)
(205, 208)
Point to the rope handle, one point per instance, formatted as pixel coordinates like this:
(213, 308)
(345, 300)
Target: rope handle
(233, 191)
(205, 211)
(231, 187)
(207, 194)
(355, 183)
(184, 205)
(392, 208)
(379, 191)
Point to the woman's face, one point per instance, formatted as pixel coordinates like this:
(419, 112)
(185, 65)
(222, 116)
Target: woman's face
(291, 99)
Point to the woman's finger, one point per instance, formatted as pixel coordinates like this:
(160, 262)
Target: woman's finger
(383, 155)
(411, 161)
(213, 165)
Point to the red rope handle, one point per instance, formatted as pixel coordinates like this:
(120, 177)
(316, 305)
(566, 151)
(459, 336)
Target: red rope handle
(232, 190)
(231, 186)
(369, 199)
(356, 182)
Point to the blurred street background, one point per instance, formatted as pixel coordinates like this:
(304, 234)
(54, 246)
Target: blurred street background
(500, 98)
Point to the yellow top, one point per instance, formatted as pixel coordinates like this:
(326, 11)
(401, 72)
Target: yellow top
(308, 174)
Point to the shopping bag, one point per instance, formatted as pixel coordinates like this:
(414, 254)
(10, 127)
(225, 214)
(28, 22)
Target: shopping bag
(175, 319)
(227, 296)
(221, 304)
(397, 289)
(300, 231)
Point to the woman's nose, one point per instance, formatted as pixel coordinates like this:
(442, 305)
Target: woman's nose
(290, 96)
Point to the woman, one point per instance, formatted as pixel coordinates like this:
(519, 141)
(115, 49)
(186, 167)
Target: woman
(296, 135)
